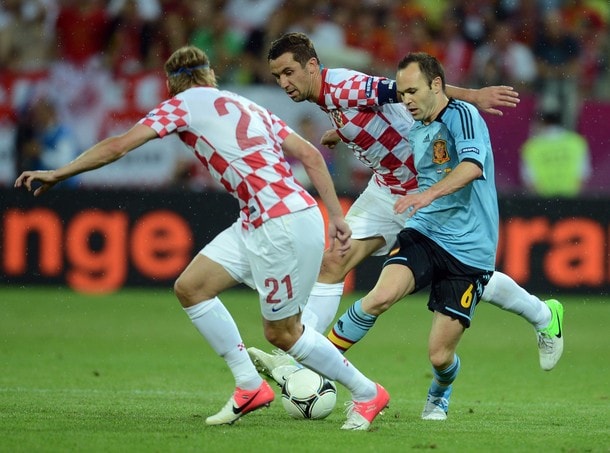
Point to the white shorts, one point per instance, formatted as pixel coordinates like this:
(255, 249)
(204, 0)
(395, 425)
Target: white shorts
(280, 259)
(372, 215)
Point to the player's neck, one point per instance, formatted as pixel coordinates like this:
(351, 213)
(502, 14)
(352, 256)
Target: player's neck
(443, 101)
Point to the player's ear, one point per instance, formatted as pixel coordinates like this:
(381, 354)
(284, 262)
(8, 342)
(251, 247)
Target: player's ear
(312, 65)
(437, 85)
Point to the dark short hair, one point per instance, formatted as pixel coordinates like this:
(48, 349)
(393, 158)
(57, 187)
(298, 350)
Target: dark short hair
(298, 44)
(430, 67)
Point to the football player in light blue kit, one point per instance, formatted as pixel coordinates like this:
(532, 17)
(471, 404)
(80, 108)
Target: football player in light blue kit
(464, 222)
(450, 238)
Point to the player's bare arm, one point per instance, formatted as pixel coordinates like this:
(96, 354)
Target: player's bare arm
(99, 155)
(315, 166)
(487, 99)
(461, 176)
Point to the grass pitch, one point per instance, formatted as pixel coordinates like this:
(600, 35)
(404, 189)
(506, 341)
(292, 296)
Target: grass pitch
(128, 372)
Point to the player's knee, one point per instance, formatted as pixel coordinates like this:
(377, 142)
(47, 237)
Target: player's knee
(188, 294)
(283, 334)
(279, 339)
(181, 291)
(379, 300)
(333, 268)
(440, 358)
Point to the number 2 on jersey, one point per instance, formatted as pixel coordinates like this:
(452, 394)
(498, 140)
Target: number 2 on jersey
(241, 132)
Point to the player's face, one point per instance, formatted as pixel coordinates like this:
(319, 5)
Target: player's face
(421, 99)
(296, 81)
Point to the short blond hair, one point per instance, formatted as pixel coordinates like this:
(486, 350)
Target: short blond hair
(186, 67)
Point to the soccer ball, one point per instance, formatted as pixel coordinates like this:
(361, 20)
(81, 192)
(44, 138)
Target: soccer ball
(307, 395)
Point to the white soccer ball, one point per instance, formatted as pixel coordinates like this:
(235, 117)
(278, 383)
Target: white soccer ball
(307, 395)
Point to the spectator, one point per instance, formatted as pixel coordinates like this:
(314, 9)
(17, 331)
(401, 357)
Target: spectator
(369, 34)
(173, 27)
(455, 51)
(558, 54)
(255, 21)
(526, 20)
(590, 28)
(128, 38)
(26, 32)
(250, 16)
(43, 141)
(476, 18)
(504, 60)
(555, 161)
(212, 34)
(327, 28)
(580, 14)
(82, 32)
(78, 78)
(146, 10)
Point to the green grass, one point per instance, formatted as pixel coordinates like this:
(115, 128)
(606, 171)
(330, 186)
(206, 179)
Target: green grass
(128, 372)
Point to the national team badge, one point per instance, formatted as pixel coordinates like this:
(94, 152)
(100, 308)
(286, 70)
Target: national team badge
(439, 150)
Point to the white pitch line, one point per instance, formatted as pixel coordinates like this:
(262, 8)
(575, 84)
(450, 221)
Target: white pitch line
(98, 391)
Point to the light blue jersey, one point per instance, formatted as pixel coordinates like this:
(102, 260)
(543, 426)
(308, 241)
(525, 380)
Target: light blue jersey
(464, 223)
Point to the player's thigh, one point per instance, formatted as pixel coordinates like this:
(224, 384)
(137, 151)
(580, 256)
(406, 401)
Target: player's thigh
(414, 251)
(372, 216)
(203, 279)
(286, 253)
(335, 264)
(229, 251)
(394, 283)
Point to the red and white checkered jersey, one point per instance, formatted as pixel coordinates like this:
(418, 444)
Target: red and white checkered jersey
(239, 142)
(377, 134)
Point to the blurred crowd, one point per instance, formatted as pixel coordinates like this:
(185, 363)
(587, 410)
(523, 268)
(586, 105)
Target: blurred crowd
(555, 50)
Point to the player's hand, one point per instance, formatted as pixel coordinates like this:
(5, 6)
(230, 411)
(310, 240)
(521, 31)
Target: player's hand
(330, 138)
(339, 234)
(489, 98)
(412, 203)
(46, 178)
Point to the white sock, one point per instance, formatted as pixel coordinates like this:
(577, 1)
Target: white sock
(322, 305)
(215, 323)
(502, 291)
(316, 352)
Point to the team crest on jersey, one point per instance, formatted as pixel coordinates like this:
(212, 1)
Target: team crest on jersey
(336, 116)
(439, 151)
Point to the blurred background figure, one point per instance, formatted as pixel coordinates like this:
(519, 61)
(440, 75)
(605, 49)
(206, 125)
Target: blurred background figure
(455, 51)
(327, 27)
(26, 34)
(503, 60)
(100, 60)
(213, 34)
(558, 53)
(555, 161)
(130, 35)
(43, 142)
(256, 23)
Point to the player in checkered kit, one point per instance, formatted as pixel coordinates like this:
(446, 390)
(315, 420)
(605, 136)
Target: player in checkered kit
(366, 114)
(275, 246)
